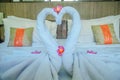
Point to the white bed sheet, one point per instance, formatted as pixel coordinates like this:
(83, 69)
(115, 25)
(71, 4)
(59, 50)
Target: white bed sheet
(4, 50)
(102, 49)
(10, 56)
(84, 47)
(81, 47)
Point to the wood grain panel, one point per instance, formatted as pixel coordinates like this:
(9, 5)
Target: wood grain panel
(87, 10)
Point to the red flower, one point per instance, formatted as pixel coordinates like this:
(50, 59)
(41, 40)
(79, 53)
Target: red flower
(60, 50)
(58, 9)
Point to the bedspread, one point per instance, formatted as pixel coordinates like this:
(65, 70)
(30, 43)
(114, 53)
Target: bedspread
(29, 63)
(21, 61)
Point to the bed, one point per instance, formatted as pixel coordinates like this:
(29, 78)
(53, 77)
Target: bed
(91, 60)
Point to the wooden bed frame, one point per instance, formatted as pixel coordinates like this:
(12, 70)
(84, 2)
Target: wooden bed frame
(87, 10)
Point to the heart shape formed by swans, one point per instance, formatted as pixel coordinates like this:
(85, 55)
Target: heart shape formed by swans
(50, 43)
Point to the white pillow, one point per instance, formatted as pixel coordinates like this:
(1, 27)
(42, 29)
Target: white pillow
(52, 26)
(13, 21)
(86, 29)
(86, 34)
(19, 18)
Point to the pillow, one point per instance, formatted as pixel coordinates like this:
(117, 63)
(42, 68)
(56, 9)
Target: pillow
(19, 18)
(19, 22)
(86, 32)
(20, 37)
(62, 30)
(104, 34)
(51, 25)
(8, 23)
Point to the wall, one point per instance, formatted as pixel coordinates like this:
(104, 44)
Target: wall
(87, 10)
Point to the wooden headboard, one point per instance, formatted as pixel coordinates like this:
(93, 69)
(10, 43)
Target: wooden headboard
(87, 10)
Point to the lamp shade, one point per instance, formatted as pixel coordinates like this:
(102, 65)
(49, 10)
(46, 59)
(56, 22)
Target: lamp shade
(1, 18)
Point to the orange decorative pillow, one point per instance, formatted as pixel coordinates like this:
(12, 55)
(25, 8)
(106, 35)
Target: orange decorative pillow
(20, 37)
(104, 34)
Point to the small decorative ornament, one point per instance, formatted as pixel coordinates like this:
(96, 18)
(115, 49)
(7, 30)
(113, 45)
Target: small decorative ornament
(91, 52)
(36, 52)
(58, 9)
(60, 50)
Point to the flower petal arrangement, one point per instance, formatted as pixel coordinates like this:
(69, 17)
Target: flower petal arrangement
(57, 9)
(60, 50)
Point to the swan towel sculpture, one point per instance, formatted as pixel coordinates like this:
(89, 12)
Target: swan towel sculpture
(50, 43)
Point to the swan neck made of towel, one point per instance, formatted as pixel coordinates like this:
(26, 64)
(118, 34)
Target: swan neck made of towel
(50, 43)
